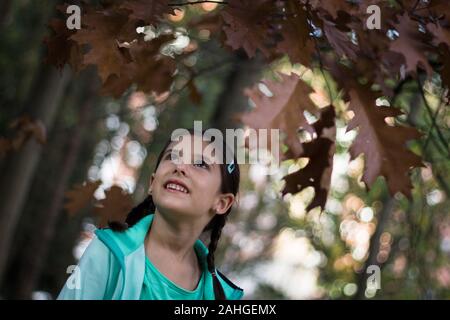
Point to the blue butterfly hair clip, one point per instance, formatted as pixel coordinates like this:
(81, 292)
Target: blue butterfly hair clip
(231, 167)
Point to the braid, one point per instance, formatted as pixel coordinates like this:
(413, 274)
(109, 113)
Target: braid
(218, 224)
(143, 209)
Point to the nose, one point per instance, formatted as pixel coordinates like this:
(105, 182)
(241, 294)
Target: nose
(180, 168)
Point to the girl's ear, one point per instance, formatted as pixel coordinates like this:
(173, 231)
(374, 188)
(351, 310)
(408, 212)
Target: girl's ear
(224, 203)
(152, 178)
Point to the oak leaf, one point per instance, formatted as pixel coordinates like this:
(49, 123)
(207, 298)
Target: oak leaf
(283, 110)
(410, 45)
(148, 11)
(331, 6)
(61, 49)
(339, 40)
(115, 207)
(295, 30)
(103, 31)
(80, 196)
(144, 60)
(320, 151)
(441, 34)
(384, 147)
(246, 23)
(25, 127)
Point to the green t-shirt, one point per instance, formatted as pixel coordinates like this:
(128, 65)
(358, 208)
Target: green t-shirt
(157, 286)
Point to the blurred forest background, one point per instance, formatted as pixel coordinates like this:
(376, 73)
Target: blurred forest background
(57, 132)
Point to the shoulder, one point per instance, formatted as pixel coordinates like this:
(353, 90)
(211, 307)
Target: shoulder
(232, 291)
(95, 248)
(124, 242)
(88, 280)
(97, 255)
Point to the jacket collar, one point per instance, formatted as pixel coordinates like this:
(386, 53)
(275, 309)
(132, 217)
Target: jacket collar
(124, 244)
(132, 238)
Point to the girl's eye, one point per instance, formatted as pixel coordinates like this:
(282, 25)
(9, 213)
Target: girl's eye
(203, 164)
(172, 157)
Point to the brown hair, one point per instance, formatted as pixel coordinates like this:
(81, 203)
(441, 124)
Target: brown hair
(229, 184)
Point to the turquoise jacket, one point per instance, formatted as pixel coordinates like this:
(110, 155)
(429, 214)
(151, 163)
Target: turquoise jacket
(113, 266)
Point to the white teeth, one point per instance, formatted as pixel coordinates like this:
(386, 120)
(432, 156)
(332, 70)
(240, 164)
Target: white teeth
(176, 187)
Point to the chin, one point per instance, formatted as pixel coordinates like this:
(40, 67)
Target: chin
(173, 206)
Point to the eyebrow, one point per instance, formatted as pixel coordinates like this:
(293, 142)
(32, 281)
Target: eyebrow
(207, 160)
(202, 156)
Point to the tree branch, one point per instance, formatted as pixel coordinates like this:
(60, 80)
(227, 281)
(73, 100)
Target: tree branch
(429, 134)
(433, 120)
(196, 2)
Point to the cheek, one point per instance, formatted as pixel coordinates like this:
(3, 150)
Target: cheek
(158, 184)
(161, 172)
(207, 189)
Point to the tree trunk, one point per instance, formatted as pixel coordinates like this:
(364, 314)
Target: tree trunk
(68, 229)
(246, 72)
(5, 11)
(19, 168)
(37, 250)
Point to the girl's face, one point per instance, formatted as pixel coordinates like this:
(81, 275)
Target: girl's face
(186, 189)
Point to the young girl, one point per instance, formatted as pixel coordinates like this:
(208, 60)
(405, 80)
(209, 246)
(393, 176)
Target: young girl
(157, 253)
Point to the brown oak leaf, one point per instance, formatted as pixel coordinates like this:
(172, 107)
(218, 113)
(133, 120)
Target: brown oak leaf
(148, 61)
(115, 207)
(145, 59)
(284, 110)
(441, 34)
(149, 11)
(60, 49)
(384, 147)
(103, 31)
(320, 151)
(25, 128)
(297, 42)
(80, 196)
(339, 40)
(246, 25)
(410, 45)
(435, 8)
(332, 6)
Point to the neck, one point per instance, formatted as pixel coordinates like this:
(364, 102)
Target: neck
(175, 237)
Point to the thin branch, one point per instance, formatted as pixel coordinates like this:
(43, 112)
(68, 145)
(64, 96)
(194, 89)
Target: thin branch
(400, 3)
(442, 182)
(433, 123)
(433, 120)
(125, 112)
(196, 2)
(317, 49)
(398, 89)
(210, 68)
(415, 6)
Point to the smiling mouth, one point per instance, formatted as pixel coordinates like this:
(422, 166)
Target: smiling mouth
(173, 187)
